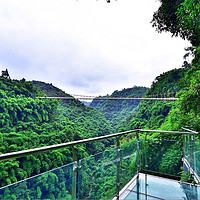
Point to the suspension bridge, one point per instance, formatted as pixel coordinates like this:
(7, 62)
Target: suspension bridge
(113, 98)
(168, 96)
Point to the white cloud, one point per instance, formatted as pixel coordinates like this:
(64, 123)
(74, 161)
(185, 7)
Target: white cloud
(85, 46)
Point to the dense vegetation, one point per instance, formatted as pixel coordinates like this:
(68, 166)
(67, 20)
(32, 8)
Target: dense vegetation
(116, 111)
(27, 122)
(89, 122)
(181, 17)
(151, 114)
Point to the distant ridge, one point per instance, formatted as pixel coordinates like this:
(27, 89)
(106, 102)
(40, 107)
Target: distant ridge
(117, 111)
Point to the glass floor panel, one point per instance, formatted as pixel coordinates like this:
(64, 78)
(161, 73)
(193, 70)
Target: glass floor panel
(153, 187)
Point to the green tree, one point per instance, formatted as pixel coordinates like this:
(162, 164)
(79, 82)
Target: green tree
(188, 15)
(180, 17)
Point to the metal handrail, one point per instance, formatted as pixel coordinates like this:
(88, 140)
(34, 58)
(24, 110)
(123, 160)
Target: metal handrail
(8, 156)
(161, 131)
(191, 131)
(12, 155)
(17, 154)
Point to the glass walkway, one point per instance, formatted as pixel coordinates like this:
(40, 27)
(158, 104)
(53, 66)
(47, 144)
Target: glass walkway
(145, 186)
(106, 174)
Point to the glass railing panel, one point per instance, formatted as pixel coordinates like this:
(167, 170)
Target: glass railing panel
(97, 177)
(187, 148)
(128, 165)
(54, 184)
(192, 152)
(162, 156)
(196, 157)
(191, 191)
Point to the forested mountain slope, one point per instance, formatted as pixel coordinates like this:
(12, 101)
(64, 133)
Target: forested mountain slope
(180, 18)
(116, 111)
(151, 114)
(167, 115)
(89, 121)
(27, 122)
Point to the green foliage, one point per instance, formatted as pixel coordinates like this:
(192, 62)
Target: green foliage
(180, 17)
(87, 122)
(13, 88)
(161, 157)
(116, 111)
(187, 111)
(170, 163)
(98, 174)
(27, 122)
(152, 114)
(186, 177)
(49, 90)
(49, 185)
(190, 95)
(168, 83)
(189, 20)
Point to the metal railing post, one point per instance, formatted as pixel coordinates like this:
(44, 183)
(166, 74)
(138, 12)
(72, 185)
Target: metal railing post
(145, 149)
(138, 152)
(8, 156)
(185, 146)
(118, 166)
(137, 164)
(192, 151)
(74, 177)
(145, 165)
(138, 186)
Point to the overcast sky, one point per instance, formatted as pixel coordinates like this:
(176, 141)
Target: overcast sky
(85, 46)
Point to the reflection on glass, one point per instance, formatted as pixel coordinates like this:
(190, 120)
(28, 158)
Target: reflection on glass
(163, 156)
(97, 175)
(192, 152)
(102, 175)
(152, 187)
(53, 184)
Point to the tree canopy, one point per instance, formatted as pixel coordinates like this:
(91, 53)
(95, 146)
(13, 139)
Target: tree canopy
(180, 17)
